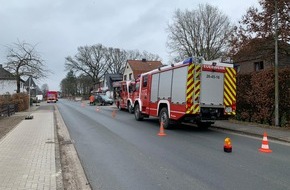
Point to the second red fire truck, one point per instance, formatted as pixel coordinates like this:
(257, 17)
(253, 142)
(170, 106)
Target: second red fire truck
(124, 95)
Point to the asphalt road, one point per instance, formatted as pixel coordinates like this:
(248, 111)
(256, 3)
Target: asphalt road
(121, 153)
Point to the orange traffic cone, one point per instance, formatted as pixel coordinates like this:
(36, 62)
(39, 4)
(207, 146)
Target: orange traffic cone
(161, 131)
(113, 113)
(265, 146)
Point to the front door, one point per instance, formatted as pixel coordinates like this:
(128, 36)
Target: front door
(144, 96)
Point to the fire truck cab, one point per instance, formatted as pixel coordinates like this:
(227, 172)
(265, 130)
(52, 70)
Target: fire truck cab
(124, 93)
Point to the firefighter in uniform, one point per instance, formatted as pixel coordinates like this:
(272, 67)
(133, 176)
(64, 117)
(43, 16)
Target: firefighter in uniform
(92, 99)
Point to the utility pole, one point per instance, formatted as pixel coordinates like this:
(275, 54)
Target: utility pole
(276, 69)
(29, 84)
(29, 116)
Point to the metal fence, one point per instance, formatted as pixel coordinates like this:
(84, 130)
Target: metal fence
(7, 109)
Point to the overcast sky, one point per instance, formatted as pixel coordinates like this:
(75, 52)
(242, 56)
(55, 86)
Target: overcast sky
(60, 26)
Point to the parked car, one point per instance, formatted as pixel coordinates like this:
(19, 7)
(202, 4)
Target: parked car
(103, 100)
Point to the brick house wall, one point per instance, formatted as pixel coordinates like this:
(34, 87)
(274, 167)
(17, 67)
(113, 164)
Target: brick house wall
(259, 55)
(248, 66)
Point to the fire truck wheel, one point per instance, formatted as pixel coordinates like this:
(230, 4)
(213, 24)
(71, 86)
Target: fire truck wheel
(130, 108)
(137, 113)
(164, 117)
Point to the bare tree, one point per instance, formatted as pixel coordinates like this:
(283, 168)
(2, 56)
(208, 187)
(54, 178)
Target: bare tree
(258, 25)
(150, 56)
(116, 60)
(24, 60)
(97, 60)
(201, 32)
(136, 55)
(69, 85)
(44, 88)
(83, 85)
(89, 61)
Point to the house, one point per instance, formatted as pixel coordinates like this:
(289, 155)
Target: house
(134, 68)
(259, 55)
(34, 89)
(8, 82)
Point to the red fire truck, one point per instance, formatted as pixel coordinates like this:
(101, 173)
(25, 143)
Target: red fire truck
(194, 91)
(124, 95)
(51, 96)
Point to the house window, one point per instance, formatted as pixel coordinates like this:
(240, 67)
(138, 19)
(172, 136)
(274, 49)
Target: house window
(125, 77)
(130, 76)
(259, 65)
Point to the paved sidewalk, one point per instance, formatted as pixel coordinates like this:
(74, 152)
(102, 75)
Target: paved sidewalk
(27, 154)
(275, 133)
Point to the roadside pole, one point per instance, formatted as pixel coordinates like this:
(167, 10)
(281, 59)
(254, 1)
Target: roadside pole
(29, 116)
(276, 70)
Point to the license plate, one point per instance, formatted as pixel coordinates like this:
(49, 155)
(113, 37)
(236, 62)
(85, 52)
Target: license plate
(228, 109)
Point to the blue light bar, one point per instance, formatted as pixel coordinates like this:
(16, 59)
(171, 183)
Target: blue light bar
(188, 60)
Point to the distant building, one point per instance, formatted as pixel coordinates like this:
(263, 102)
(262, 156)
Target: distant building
(109, 79)
(8, 82)
(107, 83)
(134, 68)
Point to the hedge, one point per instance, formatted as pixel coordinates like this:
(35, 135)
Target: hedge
(256, 97)
(19, 99)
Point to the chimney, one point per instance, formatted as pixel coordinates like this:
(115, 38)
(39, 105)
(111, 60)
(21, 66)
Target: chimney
(143, 60)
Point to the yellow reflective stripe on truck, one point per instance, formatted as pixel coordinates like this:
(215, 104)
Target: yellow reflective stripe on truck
(197, 73)
(189, 89)
(230, 88)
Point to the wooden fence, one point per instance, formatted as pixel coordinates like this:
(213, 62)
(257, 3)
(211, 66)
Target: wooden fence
(7, 109)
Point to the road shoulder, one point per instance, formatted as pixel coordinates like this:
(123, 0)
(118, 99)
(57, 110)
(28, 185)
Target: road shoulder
(72, 171)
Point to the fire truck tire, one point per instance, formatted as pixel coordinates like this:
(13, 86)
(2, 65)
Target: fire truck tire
(164, 117)
(137, 113)
(130, 108)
